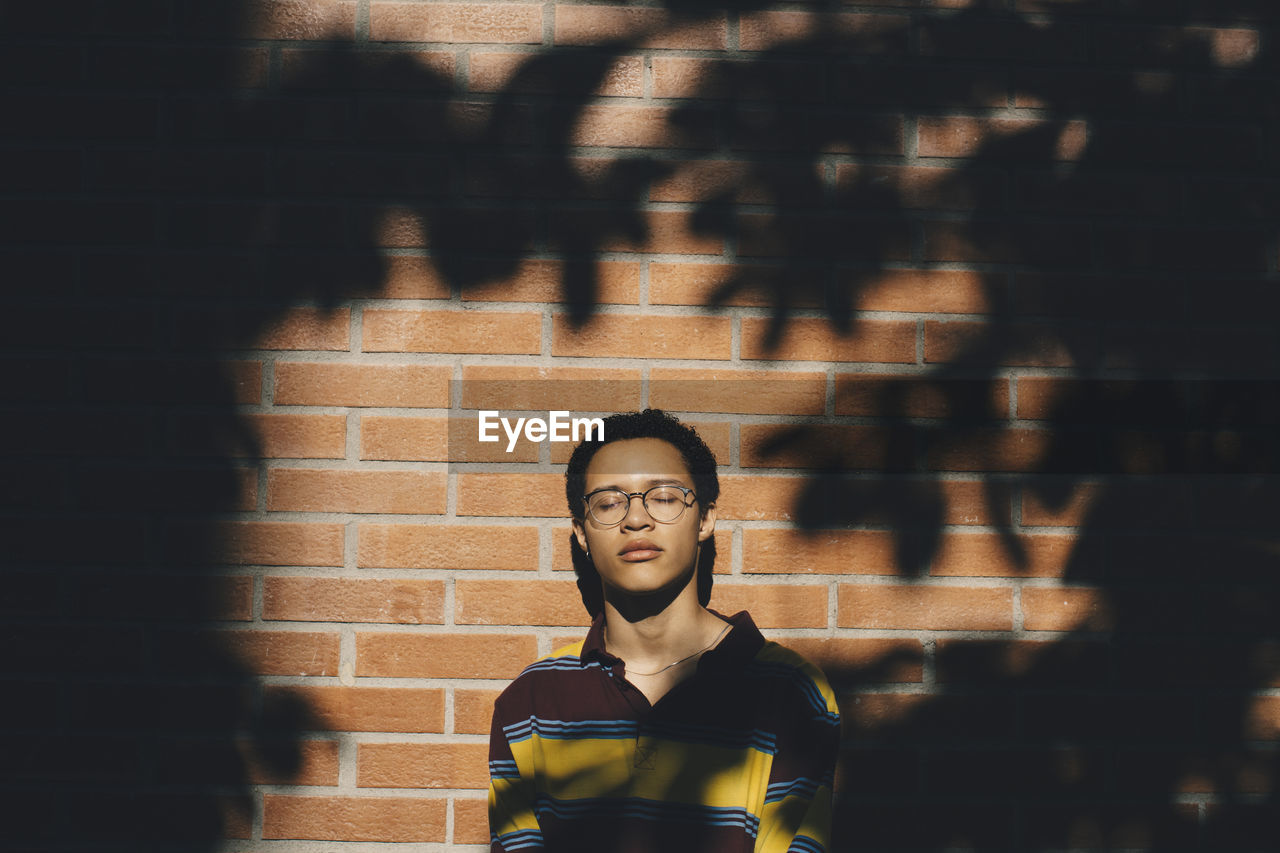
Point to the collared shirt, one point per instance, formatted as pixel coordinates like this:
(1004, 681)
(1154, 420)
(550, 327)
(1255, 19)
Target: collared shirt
(740, 756)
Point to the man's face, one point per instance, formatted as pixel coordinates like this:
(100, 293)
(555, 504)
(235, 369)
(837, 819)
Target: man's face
(638, 555)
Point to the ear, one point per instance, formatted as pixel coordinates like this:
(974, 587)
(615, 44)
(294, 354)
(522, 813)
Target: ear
(707, 525)
(580, 533)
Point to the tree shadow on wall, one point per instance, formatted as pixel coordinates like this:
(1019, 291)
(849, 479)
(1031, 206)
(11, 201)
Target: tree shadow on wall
(172, 195)
(1121, 245)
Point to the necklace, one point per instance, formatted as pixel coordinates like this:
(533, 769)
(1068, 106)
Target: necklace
(682, 660)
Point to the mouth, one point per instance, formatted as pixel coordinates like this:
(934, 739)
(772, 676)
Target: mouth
(639, 550)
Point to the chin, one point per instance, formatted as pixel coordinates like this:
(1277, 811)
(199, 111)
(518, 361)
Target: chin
(650, 582)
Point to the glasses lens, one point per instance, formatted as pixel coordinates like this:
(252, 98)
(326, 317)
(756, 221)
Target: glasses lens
(665, 503)
(608, 507)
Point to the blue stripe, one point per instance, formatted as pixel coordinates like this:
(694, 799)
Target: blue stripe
(504, 770)
(561, 730)
(757, 739)
(805, 844)
(808, 689)
(802, 786)
(654, 810)
(573, 663)
(521, 839)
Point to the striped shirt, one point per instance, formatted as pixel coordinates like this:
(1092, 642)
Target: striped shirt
(738, 757)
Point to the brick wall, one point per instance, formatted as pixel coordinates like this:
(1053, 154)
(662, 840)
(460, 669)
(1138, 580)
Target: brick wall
(973, 299)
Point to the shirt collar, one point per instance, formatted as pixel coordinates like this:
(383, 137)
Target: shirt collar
(737, 648)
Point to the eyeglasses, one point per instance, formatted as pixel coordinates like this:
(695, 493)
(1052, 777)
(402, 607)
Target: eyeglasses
(664, 504)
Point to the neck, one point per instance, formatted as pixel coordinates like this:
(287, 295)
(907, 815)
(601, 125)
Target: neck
(649, 639)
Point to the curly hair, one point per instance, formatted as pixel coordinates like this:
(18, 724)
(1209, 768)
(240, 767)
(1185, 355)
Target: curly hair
(698, 458)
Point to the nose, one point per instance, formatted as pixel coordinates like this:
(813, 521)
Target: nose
(637, 516)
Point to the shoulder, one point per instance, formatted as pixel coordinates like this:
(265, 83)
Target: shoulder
(558, 669)
(798, 680)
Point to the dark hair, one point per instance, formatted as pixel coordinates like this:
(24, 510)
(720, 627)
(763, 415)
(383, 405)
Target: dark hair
(698, 458)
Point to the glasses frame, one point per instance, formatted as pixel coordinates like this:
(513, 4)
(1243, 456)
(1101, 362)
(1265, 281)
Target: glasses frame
(644, 502)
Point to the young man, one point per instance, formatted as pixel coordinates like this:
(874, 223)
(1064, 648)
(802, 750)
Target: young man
(670, 727)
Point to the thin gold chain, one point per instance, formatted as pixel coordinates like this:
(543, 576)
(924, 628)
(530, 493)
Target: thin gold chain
(726, 627)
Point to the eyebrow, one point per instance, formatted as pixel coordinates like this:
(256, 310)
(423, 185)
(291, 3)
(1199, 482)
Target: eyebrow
(657, 481)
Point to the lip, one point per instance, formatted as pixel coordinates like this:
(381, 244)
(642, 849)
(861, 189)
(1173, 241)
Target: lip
(638, 550)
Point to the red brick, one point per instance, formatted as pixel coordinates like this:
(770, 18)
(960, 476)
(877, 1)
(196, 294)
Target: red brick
(519, 72)
(266, 543)
(300, 71)
(816, 340)
(956, 136)
(992, 39)
(1023, 345)
(317, 765)
(310, 20)
(924, 187)
(737, 180)
(774, 605)
(848, 447)
(365, 709)
(647, 28)
(327, 490)
(298, 436)
(283, 652)
(443, 655)
(1065, 511)
(413, 277)
(706, 284)
(201, 760)
(759, 498)
(308, 384)
(925, 607)
(617, 126)
(493, 602)
(990, 555)
(1262, 721)
(533, 280)
(313, 599)
(412, 546)
(846, 33)
(412, 819)
(452, 331)
(1066, 609)
(643, 337)
(473, 709)
(512, 494)
(414, 439)
(916, 396)
(457, 23)
(882, 661)
(1026, 450)
(867, 712)
(661, 232)
(841, 237)
(422, 765)
(544, 389)
(465, 444)
(764, 392)
(861, 552)
(1055, 244)
(470, 822)
(1216, 47)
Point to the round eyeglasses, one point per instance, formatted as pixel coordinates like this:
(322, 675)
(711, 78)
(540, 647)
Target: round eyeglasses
(664, 504)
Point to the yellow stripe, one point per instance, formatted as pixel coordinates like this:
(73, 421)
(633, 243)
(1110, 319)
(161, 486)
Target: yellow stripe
(771, 652)
(511, 806)
(605, 767)
(782, 820)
